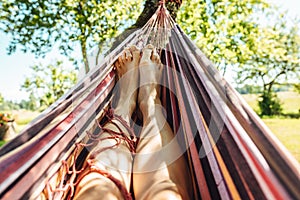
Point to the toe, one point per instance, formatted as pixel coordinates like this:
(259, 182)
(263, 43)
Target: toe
(155, 57)
(149, 46)
(117, 64)
(147, 51)
(119, 67)
(126, 55)
(135, 53)
(134, 49)
(120, 60)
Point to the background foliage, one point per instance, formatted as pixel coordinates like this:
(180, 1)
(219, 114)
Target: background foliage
(49, 83)
(37, 26)
(251, 39)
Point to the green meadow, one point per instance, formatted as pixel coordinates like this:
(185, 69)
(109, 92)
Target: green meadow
(286, 129)
(288, 132)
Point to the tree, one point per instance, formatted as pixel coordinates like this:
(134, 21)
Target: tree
(269, 104)
(275, 57)
(1, 98)
(231, 35)
(297, 87)
(222, 29)
(150, 7)
(7, 105)
(275, 60)
(30, 104)
(49, 83)
(37, 26)
(228, 32)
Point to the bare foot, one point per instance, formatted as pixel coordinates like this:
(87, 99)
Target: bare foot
(127, 71)
(159, 168)
(109, 155)
(150, 77)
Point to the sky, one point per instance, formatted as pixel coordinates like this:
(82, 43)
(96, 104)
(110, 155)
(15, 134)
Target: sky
(14, 68)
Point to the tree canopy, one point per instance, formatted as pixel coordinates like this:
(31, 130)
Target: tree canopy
(37, 26)
(1, 98)
(251, 38)
(47, 84)
(222, 29)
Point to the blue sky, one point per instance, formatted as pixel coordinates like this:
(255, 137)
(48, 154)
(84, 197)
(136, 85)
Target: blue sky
(14, 68)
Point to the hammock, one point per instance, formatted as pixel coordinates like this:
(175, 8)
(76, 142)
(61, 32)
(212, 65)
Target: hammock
(230, 152)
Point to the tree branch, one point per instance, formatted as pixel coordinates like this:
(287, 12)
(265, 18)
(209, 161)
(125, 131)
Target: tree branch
(273, 81)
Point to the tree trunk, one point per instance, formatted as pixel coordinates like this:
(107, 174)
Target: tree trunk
(84, 56)
(150, 7)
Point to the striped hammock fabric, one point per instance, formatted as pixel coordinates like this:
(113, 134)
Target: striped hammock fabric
(230, 152)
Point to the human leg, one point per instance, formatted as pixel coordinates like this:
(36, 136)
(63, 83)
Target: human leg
(159, 169)
(112, 158)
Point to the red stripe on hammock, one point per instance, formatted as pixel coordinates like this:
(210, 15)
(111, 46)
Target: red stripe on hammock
(12, 164)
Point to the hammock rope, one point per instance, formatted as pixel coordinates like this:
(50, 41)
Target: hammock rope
(230, 152)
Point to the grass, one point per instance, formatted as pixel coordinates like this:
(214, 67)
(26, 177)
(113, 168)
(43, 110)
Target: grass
(290, 101)
(285, 129)
(288, 132)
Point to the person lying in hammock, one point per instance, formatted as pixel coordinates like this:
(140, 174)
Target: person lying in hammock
(154, 171)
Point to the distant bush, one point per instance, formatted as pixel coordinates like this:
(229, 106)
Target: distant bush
(269, 104)
(249, 89)
(291, 115)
